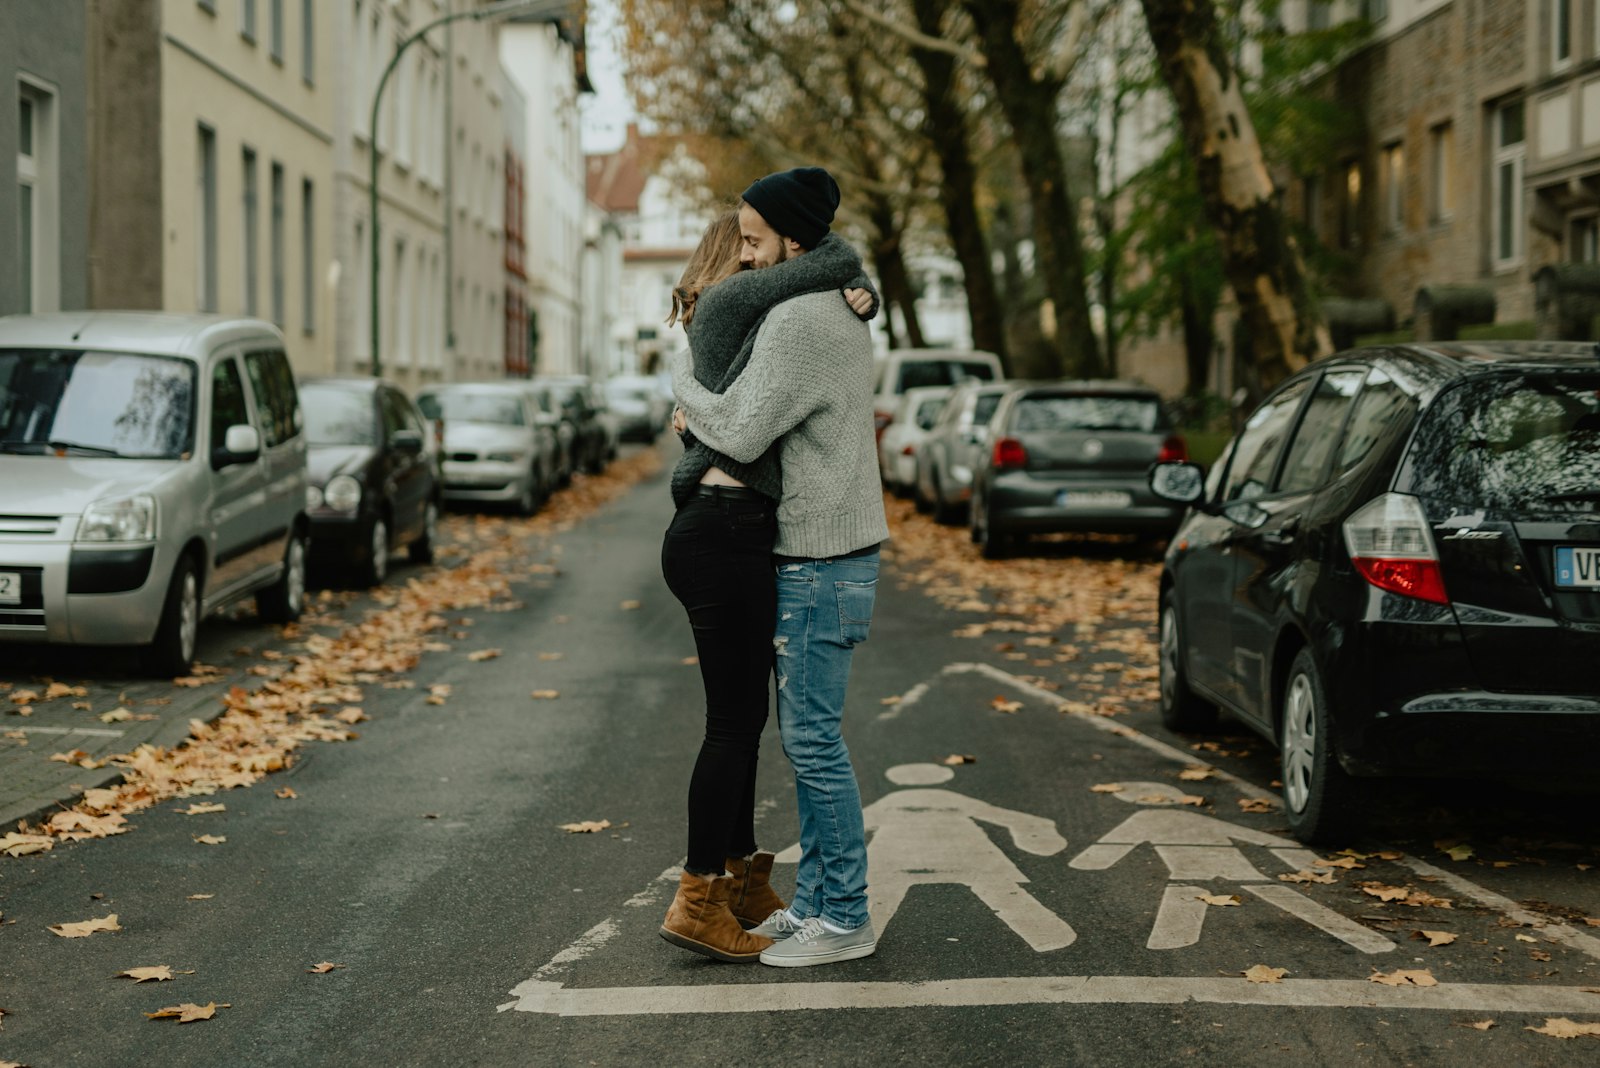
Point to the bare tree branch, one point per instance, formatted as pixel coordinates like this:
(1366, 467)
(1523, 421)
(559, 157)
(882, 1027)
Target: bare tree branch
(916, 38)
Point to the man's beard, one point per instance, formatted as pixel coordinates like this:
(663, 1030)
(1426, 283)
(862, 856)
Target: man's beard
(783, 253)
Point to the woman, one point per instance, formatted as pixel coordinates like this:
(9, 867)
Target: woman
(716, 558)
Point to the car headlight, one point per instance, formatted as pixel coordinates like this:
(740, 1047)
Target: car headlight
(342, 494)
(119, 519)
(506, 457)
(313, 498)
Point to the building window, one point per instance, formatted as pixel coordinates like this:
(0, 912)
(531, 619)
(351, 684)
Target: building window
(308, 257)
(1560, 34)
(1374, 10)
(1583, 244)
(275, 29)
(1393, 174)
(276, 240)
(1350, 206)
(208, 6)
(402, 308)
(363, 261)
(1441, 178)
(252, 225)
(38, 201)
(308, 44)
(1311, 204)
(1506, 223)
(206, 220)
(247, 20)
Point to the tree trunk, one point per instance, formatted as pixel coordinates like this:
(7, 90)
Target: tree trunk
(1259, 256)
(1031, 109)
(946, 128)
(1199, 339)
(892, 273)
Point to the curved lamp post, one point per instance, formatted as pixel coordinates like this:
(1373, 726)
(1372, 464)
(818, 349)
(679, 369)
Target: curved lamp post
(504, 8)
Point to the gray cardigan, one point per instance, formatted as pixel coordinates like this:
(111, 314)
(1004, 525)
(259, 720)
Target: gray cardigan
(808, 387)
(722, 335)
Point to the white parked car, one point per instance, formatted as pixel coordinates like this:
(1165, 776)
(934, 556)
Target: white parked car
(914, 416)
(904, 369)
(154, 470)
(497, 450)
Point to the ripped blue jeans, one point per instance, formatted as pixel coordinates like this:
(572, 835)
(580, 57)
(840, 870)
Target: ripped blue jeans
(824, 612)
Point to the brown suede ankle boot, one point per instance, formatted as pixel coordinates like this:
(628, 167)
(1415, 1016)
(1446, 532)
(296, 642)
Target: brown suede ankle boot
(700, 922)
(752, 899)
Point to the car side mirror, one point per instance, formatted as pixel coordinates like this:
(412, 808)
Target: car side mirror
(1183, 483)
(241, 444)
(407, 441)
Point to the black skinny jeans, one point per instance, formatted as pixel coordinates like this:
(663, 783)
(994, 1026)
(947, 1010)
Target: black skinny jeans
(717, 559)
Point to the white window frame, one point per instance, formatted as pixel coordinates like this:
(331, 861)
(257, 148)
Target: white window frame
(1561, 22)
(1512, 157)
(1441, 172)
(40, 171)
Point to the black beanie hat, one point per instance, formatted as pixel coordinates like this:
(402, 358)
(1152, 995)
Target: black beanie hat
(798, 203)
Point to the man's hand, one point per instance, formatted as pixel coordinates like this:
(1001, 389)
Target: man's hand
(680, 424)
(860, 300)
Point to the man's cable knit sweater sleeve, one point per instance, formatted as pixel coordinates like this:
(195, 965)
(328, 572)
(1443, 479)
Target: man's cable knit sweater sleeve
(790, 375)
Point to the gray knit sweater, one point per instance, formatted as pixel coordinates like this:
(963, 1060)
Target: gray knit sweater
(722, 335)
(808, 386)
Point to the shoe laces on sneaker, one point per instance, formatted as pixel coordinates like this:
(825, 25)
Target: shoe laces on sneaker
(810, 928)
(784, 923)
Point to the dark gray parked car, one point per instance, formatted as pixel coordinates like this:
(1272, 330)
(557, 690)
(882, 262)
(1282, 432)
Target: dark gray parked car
(1073, 456)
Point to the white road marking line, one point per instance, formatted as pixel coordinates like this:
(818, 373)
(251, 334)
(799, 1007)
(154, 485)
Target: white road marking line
(907, 699)
(552, 998)
(98, 732)
(1562, 933)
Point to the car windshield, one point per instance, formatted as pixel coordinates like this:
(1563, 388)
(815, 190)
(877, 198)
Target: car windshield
(1526, 441)
(338, 416)
(1088, 412)
(915, 373)
(99, 403)
(471, 407)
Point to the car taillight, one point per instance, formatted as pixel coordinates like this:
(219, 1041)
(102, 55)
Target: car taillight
(1392, 547)
(1008, 452)
(908, 450)
(1173, 451)
(880, 422)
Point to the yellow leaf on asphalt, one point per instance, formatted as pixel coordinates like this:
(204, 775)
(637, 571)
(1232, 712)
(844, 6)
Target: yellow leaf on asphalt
(210, 839)
(1386, 893)
(1436, 938)
(158, 973)
(629, 606)
(552, 656)
(116, 715)
(85, 928)
(689, 661)
(1304, 876)
(201, 808)
(586, 827)
(1255, 804)
(1261, 973)
(200, 897)
(324, 968)
(351, 715)
(1389, 854)
(1525, 938)
(1404, 977)
(889, 700)
(545, 695)
(1538, 954)
(1195, 774)
(1220, 900)
(71, 757)
(955, 759)
(188, 1012)
(1561, 1027)
(1106, 788)
(1339, 862)
(1193, 800)
(285, 792)
(1000, 704)
(485, 654)
(1477, 1025)
(1459, 852)
(17, 844)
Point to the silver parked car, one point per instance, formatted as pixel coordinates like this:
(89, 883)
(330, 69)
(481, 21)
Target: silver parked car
(954, 448)
(497, 449)
(897, 449)
(154, 468)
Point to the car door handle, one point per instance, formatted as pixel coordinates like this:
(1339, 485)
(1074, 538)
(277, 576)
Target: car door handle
(1283, 535)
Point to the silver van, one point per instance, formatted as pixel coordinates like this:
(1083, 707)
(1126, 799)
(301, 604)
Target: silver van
(152, 470)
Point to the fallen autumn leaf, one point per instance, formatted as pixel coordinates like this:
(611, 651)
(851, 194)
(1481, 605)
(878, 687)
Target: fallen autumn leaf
(157, 973)
(1404, 977)
(586, 826)
(324, 968)
(85, 928)
(1561, 1027)
(1261, 973)
(188, 1012)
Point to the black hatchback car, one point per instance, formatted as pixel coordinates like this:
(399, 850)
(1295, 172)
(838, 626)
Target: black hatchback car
(1073, 456)
(374, 482)
(1395, 569)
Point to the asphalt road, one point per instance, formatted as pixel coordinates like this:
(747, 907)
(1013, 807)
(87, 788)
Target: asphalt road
(1041, 921)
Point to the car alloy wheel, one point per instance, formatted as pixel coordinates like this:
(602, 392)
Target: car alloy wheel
(1299, 743)
(295, 576)
(1321, 802)
(1181, 710)
(421, 550)
(188, 615)
(377, 562)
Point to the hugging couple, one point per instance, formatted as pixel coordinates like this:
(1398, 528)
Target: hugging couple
(773, 552)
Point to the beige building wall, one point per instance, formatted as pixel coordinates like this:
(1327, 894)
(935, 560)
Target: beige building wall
(479, 198)
(265, 89)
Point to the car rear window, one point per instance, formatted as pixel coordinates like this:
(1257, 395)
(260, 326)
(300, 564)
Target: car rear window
(914, 373)
(1087, 412)
(1530, 440)
(983, 411)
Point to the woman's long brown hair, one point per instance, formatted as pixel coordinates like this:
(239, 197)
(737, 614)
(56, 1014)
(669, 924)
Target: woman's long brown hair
(715, 258)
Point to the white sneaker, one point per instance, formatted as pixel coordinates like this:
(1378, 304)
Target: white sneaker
(780, 925)
(813, 943)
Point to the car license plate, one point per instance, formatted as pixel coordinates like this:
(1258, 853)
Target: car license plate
(1578, 566)
(10, 587)
(1092, 499)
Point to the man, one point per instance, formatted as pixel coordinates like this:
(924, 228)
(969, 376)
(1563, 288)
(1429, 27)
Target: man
(808, 386)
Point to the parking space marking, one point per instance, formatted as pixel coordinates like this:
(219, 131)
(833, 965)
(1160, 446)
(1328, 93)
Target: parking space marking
(97, 732)
(554, 999)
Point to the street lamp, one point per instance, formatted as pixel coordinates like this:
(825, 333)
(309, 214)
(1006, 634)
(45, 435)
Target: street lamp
(504, 7)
